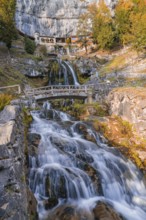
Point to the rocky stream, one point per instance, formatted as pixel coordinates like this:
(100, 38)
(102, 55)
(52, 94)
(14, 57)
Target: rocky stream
(73, 178)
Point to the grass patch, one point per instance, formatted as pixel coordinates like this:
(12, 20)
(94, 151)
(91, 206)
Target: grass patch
(116, 64)
(9, 76)
(84, 110)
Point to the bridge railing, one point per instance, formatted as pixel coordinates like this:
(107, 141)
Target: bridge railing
(59, 89)
(7, 88)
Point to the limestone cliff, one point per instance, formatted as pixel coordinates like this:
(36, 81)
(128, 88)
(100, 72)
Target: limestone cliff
(130, 104)
(51, 17)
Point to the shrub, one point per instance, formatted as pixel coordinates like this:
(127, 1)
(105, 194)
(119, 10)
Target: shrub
(29, 45)
(4, 100)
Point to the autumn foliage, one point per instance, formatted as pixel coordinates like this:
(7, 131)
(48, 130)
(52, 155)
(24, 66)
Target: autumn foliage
(126, 25)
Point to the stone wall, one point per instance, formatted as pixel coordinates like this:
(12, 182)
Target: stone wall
(13, 190)
(130, 104)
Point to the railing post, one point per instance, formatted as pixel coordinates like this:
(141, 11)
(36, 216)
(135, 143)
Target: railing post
(85, 89)
(69, 89)
(19, 89)
(52, 90)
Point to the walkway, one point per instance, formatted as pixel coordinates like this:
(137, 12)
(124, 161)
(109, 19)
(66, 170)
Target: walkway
(60, 91)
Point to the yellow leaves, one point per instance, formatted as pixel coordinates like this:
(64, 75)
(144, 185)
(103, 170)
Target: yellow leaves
(124, 5)
(99, 11)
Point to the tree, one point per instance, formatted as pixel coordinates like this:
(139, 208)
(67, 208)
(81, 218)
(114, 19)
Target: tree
(138, 25)
(7, 25)
(102, 25)
(84, 30)
(122, 24)
(29, 45)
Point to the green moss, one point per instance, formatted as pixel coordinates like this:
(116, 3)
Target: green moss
(95, 109)
(135, 158)
(23, 179)
(27, 120)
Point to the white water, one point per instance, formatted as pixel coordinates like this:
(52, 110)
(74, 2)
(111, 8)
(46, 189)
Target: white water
(76, 83)
(65, 72)
(62, 153)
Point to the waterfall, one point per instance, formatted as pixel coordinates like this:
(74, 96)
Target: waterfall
(72, 72)
(72, 170)
(62, 72)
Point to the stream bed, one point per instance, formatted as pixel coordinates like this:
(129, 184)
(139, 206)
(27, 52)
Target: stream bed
(71, 176)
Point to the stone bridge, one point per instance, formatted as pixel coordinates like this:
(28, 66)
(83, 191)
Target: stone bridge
(61, 91)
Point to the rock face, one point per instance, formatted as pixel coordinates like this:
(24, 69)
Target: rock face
(130, 104)
(13, 199)
(51, 17)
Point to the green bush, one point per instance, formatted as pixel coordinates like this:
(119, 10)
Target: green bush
(29, 45)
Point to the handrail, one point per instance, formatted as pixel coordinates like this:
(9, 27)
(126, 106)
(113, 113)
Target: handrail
(13, 86)
(60, 89)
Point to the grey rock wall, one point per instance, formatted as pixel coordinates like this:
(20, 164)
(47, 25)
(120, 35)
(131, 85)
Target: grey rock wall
(13, 192)
(51, 17)
(130, 104)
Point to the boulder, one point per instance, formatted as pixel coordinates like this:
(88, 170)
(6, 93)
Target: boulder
(7, 133)
(103, 211)
(33, 143)
(9, 113)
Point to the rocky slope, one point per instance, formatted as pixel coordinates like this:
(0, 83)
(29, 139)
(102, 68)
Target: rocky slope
(130, 104)
(16, 200)
(50, 17)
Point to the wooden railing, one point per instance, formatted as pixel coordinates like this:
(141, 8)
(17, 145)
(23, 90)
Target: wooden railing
(57, 90)
(18, 88)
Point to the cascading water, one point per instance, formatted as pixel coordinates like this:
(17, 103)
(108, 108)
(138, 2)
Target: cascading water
(69, 66)
(72, 170)
(62, 72)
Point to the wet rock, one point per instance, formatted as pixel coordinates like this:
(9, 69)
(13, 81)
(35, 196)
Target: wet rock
(64, 144)
(85, 157)
(70, 212)
(64, 213)
(103, 211)
(55, 188)
(32, 205)
(33, 142)
(50, 203)
(95, 177)
(83, 130)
